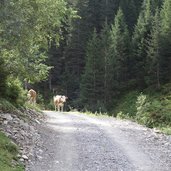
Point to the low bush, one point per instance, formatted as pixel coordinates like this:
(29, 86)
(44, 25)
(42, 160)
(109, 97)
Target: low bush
(8, 155)
(6, 106)
(15, 92)
(154, 111)
(126, 105)
(151, 108)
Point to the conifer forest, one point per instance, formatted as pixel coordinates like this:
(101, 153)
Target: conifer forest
(106, 56)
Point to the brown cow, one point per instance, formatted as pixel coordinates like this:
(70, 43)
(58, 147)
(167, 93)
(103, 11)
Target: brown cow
(32, 96)
(59, 102)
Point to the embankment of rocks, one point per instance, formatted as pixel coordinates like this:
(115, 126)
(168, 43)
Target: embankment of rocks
(22, 130)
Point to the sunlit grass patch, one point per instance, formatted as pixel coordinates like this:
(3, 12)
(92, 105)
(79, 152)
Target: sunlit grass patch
(166, 130)
(96, 114)
(35, 107)
(8, 155)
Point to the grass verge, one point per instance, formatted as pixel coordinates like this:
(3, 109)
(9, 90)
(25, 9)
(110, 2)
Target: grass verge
(8, 155)
(150, 107)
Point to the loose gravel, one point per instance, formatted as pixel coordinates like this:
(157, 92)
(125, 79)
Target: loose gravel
(78, 142)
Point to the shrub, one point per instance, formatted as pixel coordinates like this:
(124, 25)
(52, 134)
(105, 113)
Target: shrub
(160, 111)
(15, 92)
(142, 106)
(121, 115)
(127, 104)
(6, 106)
(153, 111)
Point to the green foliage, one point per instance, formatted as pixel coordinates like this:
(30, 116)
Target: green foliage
(15, 92)
(119, 51)
(166, 17)
(153, 53)
(93, 74)
(27, 29)
(142, 105)
(40, 100)
(2, 78)
(154, 111)
(8, 154)
(69, 59)
(97, 70)
(107, 76)
(6, 106)
(126, 105)
(166, 129)
(160, 109)
(131, 11)
(165, 41)
(36, 107)
(121, 115)
(139, 43)
(50, 106)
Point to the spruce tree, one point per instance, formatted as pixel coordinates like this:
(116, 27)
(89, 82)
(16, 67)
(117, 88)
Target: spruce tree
(153, 53)
(131, 12)
(92, 83)
(105, 55)
(166, 41)
(139, 44)
(119, 50)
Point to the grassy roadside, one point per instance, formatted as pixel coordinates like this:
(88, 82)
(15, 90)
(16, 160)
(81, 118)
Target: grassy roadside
(151, 108)
(8, 155)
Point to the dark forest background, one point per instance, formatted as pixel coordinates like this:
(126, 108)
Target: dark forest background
(113, 57)
(114, 47)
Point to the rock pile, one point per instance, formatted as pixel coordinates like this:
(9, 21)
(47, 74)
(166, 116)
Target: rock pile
(22, 130)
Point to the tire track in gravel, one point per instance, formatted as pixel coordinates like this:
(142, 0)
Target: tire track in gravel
(139, 160)
(77, 142)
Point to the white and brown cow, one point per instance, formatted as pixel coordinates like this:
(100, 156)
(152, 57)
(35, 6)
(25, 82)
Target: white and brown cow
(59, 101)
(32, 96)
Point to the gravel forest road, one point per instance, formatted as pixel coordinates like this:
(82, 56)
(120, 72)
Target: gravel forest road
(76, 142)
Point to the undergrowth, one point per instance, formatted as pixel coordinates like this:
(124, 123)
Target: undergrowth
(8, 155)
(151, 108)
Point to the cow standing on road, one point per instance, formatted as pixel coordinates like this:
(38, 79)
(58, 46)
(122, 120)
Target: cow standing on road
(59, 101)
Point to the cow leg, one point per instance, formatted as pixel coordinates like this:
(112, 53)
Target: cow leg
(34, 101)
(30, 100)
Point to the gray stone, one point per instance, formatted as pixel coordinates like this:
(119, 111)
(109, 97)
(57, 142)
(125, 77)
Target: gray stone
(24, 157)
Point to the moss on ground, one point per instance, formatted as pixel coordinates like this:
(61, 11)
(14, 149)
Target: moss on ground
(8, 155)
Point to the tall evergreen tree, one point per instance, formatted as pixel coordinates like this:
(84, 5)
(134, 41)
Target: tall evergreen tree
(92, 79)
(119, 50)
(74, 51)
(139, 44)
(166, 41)
(153, 53)
(105, 55)
(131, 9)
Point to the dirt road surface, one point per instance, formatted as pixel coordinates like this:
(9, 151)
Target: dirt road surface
(77, 142)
